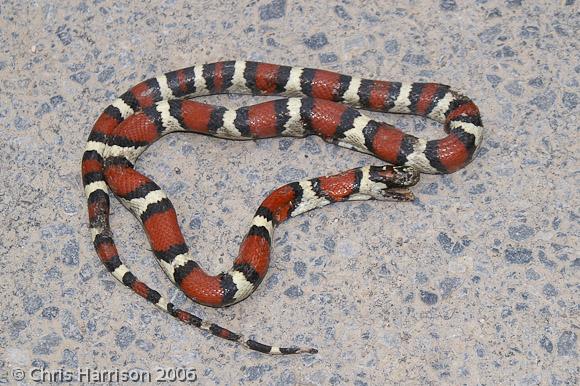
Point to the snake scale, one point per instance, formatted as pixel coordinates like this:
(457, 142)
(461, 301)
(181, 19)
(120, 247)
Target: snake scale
(316, 102)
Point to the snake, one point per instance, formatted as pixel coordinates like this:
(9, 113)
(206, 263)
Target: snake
(314, 102)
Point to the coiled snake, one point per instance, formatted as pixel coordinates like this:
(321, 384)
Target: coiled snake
(317, 102)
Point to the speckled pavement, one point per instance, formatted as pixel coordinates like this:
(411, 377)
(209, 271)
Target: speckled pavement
(476, 282)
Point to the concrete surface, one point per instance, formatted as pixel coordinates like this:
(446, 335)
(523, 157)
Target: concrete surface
(475, 283)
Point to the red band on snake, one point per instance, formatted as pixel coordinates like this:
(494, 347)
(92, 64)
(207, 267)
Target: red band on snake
(317, 102)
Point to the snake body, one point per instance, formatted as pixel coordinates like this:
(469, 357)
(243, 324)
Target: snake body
(317, 102)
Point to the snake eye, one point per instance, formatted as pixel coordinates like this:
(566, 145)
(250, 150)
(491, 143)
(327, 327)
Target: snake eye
(406, 175)
(394, 176)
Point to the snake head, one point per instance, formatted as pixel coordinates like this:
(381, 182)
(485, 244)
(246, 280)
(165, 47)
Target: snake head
(393, 182)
